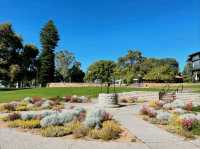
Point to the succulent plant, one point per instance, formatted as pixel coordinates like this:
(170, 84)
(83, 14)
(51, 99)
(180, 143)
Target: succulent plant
(163, 116)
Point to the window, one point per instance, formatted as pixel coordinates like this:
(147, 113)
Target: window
(196, 64)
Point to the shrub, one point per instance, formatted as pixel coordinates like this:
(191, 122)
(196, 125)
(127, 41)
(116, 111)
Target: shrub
(182, 132)
(167, 106)
(54, 131)
(57, 98)
(25, 124)
(28, 99)
(36, 99)
(148, 111)
(93, 133)
(38, 103)
(175, 120)
(75, 98)
(95, 117)
(188, 121)
(46, 104)
(81, 117)
(189, 106)
(151, 112)
(54, 103)
(107, 133)
(160, 103)
(80, 132)
(78, 110)
(153, 103)
(73, 125)
(196, 128)
(178, 104)
(50, 120)
(67, 98)
(84, 99)
(57, 119)
(22, 106)
(175, 126)
(178, 111)
(28, 115)
(7, 107)
(114, 126)
(110, 130)
(144, 109)
(13, 116)
(58, 107)
(163, 116)
(196, 109)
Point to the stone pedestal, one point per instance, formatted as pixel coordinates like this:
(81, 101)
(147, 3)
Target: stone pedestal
(108, 100)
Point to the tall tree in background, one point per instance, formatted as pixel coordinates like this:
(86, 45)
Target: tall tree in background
(10, 46)
(64, 61)
(76, 74)
(49, 38)
(29, 68)
(129, 65)
(103, 71)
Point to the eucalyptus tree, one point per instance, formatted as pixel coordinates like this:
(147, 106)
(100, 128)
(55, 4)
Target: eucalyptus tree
(64, 61)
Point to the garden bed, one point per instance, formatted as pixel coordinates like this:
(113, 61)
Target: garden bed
(176, 116)
(74, 122)
(39, 103)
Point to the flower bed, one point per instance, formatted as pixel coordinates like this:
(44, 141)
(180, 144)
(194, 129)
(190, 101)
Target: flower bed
(38, 103)
(76, 122)
(180, 117)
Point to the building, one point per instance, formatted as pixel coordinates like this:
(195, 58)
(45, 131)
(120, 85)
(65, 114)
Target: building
(195, 59)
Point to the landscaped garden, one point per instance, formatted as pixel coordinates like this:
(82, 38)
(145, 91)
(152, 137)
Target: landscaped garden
(176, 116)
(53, 117)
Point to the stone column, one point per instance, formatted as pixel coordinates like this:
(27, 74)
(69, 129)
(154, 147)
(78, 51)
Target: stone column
(108, 100)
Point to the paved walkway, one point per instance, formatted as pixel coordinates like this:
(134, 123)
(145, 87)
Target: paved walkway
(151, 137)
(11, 139)
(149, 134)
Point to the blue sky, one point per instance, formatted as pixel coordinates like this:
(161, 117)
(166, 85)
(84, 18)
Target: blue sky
(106, 29)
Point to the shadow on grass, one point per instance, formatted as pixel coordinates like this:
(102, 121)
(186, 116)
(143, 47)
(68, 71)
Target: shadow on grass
(13, 89)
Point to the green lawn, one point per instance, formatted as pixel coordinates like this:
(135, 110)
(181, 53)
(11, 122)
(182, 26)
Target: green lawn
(15, 94)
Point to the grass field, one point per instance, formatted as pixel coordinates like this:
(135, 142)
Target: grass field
(15, 94)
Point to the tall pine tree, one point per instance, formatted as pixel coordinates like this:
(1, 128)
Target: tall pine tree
(49, 38)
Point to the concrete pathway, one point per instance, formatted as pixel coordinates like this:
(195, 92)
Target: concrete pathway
(11, 139)
(149, 134)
